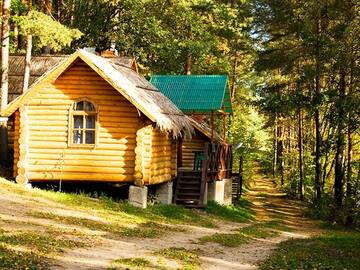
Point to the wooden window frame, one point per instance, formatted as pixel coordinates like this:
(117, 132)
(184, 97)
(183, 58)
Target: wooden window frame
(71, 129)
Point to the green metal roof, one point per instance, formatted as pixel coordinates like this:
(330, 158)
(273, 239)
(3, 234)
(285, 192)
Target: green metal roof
(195, 93)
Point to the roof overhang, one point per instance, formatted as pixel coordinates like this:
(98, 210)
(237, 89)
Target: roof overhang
(110, 75)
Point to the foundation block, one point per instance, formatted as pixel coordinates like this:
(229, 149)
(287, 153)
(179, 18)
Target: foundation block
(138, 196)
(164, 193)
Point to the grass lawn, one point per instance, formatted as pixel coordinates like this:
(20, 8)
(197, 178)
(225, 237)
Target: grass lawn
(50, 223)
(246, 234)
(334, 250)
(129, 263)
(189, 259)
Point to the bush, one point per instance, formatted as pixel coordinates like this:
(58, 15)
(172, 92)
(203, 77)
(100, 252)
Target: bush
(323, 208)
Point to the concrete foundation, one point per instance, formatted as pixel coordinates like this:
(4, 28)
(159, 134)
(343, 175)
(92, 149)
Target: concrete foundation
(216, 192)
(164, 193)
(220, 191)
(206, 199)
(138, 196)
(227, 191)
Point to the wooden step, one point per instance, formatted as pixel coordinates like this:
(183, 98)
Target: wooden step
(189, 183)
(194, 194)
(190, 173)
(190, 188)
(191, 177)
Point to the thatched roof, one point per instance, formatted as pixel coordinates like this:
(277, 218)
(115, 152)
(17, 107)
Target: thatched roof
(42, 64)
(142, 94)
(39, 65)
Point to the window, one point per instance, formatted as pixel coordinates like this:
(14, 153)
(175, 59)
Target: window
(83, 123)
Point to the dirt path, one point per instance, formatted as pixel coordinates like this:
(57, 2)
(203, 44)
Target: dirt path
(268, 204)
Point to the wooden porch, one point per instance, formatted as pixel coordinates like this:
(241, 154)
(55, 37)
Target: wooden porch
(213, 164)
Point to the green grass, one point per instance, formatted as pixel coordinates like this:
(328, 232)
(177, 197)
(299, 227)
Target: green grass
(44, 243)
(12, 259)
(142, 230)
(240, 212)
(150, 230)
(275, 224)
(258, 231)
(188, 258)
(31, 250)
(81, 222)
(226, 239)
(133, 263)
(114, 218)
(111, 210)
(246, 234)
(263, 195)
(334, 250)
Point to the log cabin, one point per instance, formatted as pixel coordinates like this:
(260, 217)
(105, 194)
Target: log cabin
(205, 99)
(91, 118)
(39, 66)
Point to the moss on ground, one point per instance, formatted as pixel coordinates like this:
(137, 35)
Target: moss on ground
(333, 250)
(14, 259)
(239, 212)
(246, 234)
(129, 263)
(32, 250)
(189, 259)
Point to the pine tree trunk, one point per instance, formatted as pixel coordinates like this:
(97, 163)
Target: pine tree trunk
(27, 62)
(318, 137)
(275, 158)
(301, 156)
(349, 190)
(16, 37)
(5, 43)
(28, 55)
(188, 64)
(233, 86)
(340, 145)
(280, 154)
(318, 144)
(349, 164)
(5, 54)
(350, 140)
(241, 175)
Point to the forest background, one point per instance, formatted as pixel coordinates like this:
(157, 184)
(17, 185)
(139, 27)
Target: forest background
(293, 69)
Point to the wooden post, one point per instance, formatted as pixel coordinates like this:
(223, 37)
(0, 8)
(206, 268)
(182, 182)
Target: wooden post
(224, 126)
(212, 125)
(204, 173)
(4, 142)
(179, 153)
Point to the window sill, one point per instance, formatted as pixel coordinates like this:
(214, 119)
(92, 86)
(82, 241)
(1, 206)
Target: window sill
(82, 146)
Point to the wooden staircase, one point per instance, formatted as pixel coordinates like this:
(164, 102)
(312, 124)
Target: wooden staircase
(189, 189)
(191, 184)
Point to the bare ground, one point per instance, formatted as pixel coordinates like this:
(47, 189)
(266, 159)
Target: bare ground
(268, 204)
